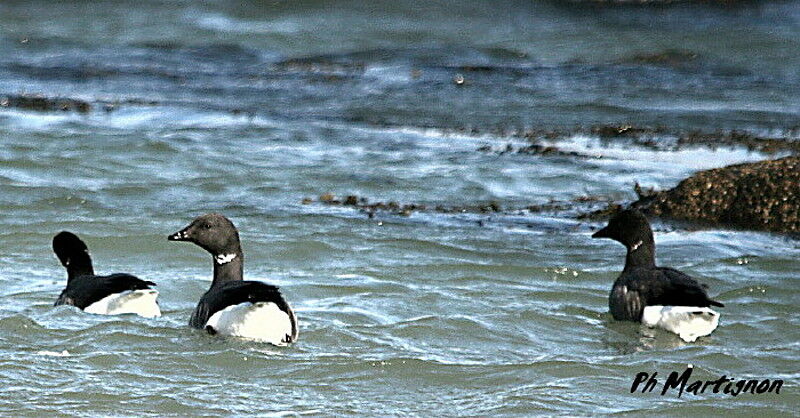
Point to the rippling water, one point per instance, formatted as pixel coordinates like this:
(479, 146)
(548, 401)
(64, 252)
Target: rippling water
(202, 106)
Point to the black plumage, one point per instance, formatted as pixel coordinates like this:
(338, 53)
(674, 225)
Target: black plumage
(83, 286)
(83, 291)
(641, 282)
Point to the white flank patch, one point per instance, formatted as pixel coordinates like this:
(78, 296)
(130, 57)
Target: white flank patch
(689, 322)
(262, 321)
(139, 302)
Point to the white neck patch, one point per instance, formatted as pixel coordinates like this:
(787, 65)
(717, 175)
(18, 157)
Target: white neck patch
(224, 258)
(633, 248)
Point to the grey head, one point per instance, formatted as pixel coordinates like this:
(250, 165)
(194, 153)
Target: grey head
(213, 232)
(628, 227)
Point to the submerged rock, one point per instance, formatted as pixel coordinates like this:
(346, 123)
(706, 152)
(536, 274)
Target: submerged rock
(320, 65)
(762, 196)
(659, 138)
(669, 57)
(571, 207)
(45, 104)
(364, 205)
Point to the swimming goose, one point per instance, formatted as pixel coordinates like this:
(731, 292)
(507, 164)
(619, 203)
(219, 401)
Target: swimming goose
(655, 296)
(233, 306)
(114, 294)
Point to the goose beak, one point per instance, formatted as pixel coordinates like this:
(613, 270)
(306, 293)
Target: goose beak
(603, 233)
(181, 235)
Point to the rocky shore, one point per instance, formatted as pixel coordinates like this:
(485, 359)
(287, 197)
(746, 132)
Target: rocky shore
(761, 196)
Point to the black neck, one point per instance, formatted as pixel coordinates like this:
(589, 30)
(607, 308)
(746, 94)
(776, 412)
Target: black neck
(228, 272)
(79, 265)
(641, 254)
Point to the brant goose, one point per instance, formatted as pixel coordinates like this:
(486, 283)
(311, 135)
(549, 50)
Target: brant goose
(232, 306)
(655, 296)
(114, 294)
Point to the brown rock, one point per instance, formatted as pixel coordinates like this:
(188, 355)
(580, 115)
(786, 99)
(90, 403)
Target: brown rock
(763, 196)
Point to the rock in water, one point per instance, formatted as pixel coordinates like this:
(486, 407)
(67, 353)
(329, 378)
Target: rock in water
(763, 196)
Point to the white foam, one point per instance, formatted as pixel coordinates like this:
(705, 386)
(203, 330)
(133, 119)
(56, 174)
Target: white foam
(678, 162)
(262, 321)
(63, 353)
(224, 23)
(140, 302)
(689, 322)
